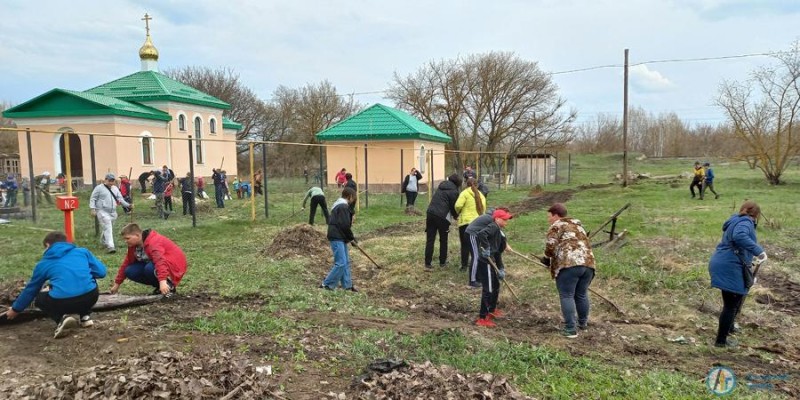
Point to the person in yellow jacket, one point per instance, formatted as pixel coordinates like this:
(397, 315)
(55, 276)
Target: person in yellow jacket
(471, 204)
(698, 179)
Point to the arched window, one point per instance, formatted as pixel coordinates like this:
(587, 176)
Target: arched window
(182, 122)
(147, 151)
(212, 126)
(198, 144)
(423, 158)
(146, 148)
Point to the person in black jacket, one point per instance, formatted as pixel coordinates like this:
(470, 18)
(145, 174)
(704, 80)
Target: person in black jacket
(350, 183)
(488, 243)
(441, 211)
(411, 187)
(219, 187)
(340, 233)
(143, 180)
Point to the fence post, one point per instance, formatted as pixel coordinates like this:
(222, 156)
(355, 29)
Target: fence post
(366, 178)
(192, 206)
(569, 168)
(94, 180)
(264, 177)
(31, 175)
(356, 177)
(401, 177)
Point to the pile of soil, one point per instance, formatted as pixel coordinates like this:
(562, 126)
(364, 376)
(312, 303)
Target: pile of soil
(10, 290)
(162, 375)
(299, 241)
(400, 380)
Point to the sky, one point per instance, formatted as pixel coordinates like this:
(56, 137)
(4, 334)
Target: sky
(358, 45)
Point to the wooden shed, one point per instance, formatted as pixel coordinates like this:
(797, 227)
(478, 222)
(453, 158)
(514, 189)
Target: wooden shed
(535, 169)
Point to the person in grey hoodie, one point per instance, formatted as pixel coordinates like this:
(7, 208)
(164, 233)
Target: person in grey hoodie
(103, 203)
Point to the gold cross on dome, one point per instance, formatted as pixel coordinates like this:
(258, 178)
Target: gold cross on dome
(146, 20)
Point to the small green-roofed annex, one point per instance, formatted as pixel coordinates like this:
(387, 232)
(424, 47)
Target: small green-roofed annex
(151, 85)
(228, 123)
(380, 122)
(62, 102)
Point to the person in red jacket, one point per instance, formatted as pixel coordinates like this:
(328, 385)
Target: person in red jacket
(152, 260)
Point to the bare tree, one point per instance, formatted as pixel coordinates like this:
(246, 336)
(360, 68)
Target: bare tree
(9, 142)
(224, 84)
(762, 111)
(496, 101)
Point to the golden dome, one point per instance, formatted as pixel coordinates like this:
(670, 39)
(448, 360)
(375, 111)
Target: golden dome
(148, 51)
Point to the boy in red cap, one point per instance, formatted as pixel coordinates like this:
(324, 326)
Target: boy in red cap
(488, 243)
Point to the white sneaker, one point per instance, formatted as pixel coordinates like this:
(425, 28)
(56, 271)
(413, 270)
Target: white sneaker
(86, 321)
(67, 323)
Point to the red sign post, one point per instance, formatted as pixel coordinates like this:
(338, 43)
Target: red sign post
(67, 204)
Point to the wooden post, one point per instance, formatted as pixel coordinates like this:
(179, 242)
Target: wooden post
(625, 125)
(358, 201)
(94, 180)
(192, 206)
(366, 178)
(264, 177)
(401, 176)
(252, 184)
(31, 175)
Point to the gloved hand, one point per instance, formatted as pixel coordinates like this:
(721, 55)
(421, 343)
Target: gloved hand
(354, 242)
(501, 274)
(485, 253)
(761, 258)
(545, 261)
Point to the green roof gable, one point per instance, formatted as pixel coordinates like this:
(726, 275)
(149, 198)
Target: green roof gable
(380, 122)
(62, 103)
(150, 86)
(228, 123)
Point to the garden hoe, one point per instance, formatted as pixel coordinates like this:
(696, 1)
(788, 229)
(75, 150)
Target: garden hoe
(364, 253)
(497, 271)
(537, 262)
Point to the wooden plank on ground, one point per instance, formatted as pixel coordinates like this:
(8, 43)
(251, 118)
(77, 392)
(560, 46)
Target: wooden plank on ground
(106, 302)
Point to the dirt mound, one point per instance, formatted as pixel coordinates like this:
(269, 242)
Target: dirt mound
(399, 380)
(162, 375)
(10, 290)
(299, 241)
(784, 294)
(540, 201)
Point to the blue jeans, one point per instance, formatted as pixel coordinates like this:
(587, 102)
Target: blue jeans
(340, 273)
(219, 195)
(141, 272)
(573, 286)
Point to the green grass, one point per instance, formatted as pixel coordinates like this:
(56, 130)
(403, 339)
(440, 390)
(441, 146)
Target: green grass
(664, 268)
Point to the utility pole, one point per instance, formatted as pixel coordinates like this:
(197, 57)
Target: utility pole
(625, 126)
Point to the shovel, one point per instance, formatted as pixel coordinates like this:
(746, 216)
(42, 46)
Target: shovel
(365, 253)
(537, 262)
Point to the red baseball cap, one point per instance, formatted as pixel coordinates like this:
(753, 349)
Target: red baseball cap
(502, 214)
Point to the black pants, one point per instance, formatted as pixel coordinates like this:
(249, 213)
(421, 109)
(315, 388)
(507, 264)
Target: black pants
(491, 287)
(699, 185)
(411, 198)
(434, 225)
(168, 203)
(188, 203)
(143, 185)
(318, 201)
(57, 308)
(709, 186)
(731, 302)
(466, 247)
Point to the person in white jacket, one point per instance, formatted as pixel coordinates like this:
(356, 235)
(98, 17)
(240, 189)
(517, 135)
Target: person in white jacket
(103, 204)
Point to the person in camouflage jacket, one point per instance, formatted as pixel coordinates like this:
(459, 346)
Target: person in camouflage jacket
(568, 253)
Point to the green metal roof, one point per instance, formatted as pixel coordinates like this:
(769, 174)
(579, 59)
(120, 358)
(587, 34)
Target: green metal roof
(380, 122)
(230, 124)
(150, 85)
(62, 102)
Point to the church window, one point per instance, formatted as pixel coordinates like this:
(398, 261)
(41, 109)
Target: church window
(182, 122)
(198, 146)
(212, 126)
(147, 151)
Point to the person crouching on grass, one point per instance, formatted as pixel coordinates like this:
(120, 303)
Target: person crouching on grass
(152, 259)
(340, 233)
(72, 272)
(487, 237)
(568, 253)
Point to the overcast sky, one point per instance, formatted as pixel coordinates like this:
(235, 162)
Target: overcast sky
(358, 45)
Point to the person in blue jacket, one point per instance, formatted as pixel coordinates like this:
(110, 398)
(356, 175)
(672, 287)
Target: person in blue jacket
(71, 271)
(738, 245)
(709, 182)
